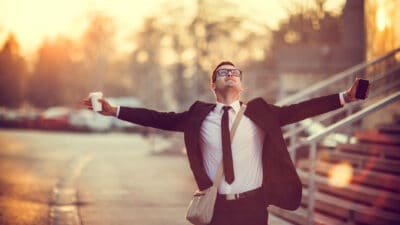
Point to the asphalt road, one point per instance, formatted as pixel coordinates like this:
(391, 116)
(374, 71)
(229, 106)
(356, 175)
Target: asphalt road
(75, 178)
(54, 178)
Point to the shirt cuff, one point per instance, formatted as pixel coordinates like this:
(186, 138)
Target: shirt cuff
(341, 97)
(117, 114)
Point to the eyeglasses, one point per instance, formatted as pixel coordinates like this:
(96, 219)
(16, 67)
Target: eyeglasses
(225, 72)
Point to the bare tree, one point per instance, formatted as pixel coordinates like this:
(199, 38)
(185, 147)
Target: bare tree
(195, 43)
(97, 44)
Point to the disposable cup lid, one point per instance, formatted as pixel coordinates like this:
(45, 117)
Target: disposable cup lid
(95, 94)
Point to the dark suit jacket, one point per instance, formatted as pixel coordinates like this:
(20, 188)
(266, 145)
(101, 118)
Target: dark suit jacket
(281, 184)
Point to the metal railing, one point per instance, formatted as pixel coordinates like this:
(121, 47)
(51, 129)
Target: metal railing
(377, 91)
(384, 75)
(344, 80)
(314, 139)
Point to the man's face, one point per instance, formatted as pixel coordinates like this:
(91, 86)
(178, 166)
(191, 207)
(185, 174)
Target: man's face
(226, 79)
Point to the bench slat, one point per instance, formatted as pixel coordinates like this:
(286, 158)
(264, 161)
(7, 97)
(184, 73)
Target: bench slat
(351, 211)
(373, 197)
(374, 179)
(365, 162)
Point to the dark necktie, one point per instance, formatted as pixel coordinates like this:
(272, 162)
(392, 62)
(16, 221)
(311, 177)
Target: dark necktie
(226, 146)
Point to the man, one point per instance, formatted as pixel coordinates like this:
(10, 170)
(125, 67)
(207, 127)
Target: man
(257, 169)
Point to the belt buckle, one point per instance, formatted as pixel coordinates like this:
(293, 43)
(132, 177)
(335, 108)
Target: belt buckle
(230, 197)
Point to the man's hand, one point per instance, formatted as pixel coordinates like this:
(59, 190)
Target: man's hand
(350, 94)
(107, 109)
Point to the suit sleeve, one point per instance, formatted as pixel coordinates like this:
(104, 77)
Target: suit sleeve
(309, 108)
(170, 121)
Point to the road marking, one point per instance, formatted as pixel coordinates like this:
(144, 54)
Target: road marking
(64, 210)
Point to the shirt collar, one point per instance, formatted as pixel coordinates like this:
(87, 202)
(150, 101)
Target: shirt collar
(235, 106)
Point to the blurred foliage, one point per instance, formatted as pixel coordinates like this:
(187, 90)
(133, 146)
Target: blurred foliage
(66, 71)
(309, 26)
(169, 68)
(175, 52)
(52, 74)
(13, 74)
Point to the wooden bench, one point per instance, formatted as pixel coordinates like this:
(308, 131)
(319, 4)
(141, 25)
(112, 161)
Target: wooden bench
(365, 177)
(351, 211)
(389, 128)
(354, 192)
(374, 136)
(362, 162)
(382, 151)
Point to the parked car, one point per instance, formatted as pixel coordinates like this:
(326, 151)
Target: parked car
(121, 124)
(10, 118)
(18, 118)
(54, 118)
(64, 118)
(30, 119)
(87, 120)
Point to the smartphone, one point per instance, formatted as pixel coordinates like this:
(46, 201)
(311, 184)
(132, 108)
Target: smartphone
(362, 88)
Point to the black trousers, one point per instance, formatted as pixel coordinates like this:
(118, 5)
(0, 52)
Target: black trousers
(246, 211)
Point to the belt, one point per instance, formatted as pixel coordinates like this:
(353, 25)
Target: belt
(243, 195)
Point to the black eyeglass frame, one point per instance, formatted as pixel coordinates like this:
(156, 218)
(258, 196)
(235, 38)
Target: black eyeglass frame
(217, 72)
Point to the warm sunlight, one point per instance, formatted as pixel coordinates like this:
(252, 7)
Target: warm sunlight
(381, 19)
(34, 21)
(383, 33)
(340, 175)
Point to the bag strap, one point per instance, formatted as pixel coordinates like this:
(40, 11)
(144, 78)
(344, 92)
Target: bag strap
(235, 124)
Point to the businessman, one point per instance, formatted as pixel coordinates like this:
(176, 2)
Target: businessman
(257, 168)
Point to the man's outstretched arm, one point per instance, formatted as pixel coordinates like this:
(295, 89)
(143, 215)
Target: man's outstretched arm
(316, 106)
(141, 116)
(150, 118)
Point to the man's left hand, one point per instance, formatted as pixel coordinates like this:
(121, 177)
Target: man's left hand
(350, 94)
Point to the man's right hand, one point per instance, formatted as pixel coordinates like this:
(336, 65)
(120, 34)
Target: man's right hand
(107, 109)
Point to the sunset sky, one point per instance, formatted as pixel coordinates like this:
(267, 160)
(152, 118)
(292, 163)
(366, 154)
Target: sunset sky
(32, 21)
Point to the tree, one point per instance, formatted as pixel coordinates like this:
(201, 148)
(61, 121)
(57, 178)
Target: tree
(13, 74)
(97, 46)
(220, 31)
(308, 25)
(144, 64)
(191, 45)
(66, 70)
(53, 79)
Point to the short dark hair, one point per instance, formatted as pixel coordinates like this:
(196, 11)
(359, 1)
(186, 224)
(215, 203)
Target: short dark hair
(213, 75)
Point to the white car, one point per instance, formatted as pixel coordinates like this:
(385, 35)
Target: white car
(124, 101)
(87, 120)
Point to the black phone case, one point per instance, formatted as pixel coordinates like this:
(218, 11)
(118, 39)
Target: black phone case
(362, 88)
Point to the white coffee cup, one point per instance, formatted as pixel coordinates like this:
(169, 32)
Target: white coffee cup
(94, 97)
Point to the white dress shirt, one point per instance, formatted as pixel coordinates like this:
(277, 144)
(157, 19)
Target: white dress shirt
(246, 150)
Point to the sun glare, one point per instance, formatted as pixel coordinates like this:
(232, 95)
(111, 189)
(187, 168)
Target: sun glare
(340, 175)
(381, 19)
(32, 21)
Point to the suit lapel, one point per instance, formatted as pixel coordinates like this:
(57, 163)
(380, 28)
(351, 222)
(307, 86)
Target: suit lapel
(201, 114)
(198, 117)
